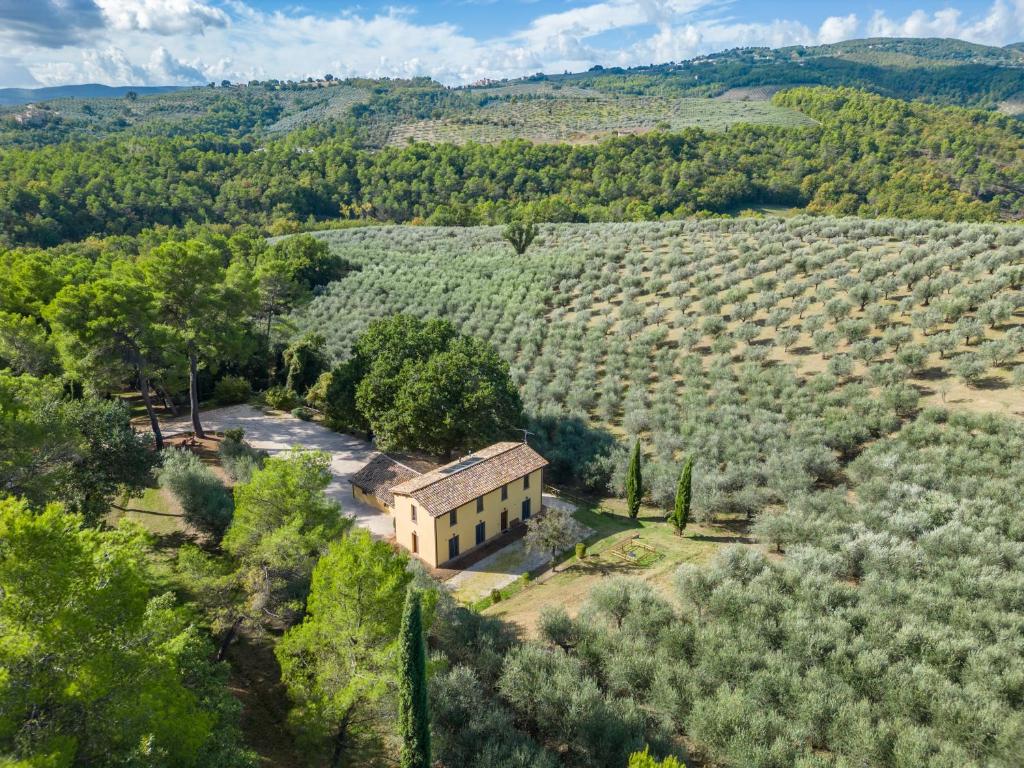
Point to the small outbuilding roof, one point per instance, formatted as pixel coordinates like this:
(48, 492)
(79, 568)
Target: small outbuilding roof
(449, 487)
(381, 475)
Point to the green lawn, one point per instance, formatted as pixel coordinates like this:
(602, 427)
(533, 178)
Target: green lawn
(523, 601)
(156, 510)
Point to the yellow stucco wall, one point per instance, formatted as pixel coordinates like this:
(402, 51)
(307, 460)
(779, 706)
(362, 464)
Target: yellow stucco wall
(434, 533)
(423, 527)
(369, 498)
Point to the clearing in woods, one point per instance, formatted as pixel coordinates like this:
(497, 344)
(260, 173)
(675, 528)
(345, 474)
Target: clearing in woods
(587, 118)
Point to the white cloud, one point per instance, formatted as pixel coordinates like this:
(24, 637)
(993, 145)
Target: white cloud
(162, 17)
(944, 23)
(194, 41)
(1001, 24)
(60, 23)
(837, 28)
(113, 66)
(48, 23)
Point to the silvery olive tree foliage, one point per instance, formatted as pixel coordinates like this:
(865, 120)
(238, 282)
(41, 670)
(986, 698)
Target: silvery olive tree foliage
(773, 349)
(891, 634)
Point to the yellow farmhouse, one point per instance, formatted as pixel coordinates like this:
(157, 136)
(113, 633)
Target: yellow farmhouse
(449, 511)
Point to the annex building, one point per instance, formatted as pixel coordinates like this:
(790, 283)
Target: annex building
(448, 511)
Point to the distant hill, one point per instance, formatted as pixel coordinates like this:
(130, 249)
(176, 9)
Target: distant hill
(937, 70)
(16, 96)
(581, 107)
(889, 51)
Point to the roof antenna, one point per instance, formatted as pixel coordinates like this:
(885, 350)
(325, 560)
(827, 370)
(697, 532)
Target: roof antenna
(525, 433)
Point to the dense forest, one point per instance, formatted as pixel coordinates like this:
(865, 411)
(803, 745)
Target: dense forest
(869, 156)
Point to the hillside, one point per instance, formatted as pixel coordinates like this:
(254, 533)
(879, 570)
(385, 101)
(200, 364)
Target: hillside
(547, 115)
(865, 155)
(912, 51)
(578, 107)
(91, 91)
(619, 324)
(234, 111)
(758, 316)
(852, 394)
(934, 70)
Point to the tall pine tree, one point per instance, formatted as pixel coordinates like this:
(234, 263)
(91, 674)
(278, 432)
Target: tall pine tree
(634, 483)
(413, 713)
(681, 513)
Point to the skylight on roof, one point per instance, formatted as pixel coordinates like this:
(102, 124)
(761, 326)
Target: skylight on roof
(460, 465)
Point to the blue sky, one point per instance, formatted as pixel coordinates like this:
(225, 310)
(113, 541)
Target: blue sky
(150, 42)
(492, 18)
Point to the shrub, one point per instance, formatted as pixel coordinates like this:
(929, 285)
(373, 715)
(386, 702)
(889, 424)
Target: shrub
(238, 458)
(581, 550)
(304, 413)
(206, 503)
(280, 398)
(231, 390)
(495, 595)
(304, 361)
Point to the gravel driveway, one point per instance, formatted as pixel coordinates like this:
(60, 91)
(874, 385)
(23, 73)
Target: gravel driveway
(278, 433)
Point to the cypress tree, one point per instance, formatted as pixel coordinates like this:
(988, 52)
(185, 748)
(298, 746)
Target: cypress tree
(634, 483)
(681, 513)
(413, 712)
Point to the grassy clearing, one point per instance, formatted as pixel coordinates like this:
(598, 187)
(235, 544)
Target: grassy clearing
(156, 510)
(523, 601)
(582, 119)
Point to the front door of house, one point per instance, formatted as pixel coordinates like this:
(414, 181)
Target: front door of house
(504, 519)
(481, 532)
(453, 547)
(526, 509)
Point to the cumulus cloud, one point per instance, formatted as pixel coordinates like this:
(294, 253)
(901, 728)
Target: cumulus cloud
(113, 66)
(49, 23)
(835, 29)
(204, 40)
(1001, 24)
(163, 17)
(13, 74)
(60, 23)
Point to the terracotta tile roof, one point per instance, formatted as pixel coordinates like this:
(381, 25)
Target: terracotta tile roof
(381, 475)
(458, 483)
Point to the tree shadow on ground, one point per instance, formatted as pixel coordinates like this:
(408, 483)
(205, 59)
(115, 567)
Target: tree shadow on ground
(572, 448)
(991, 383)
(602, 565)
(724, 539)
(255, 681)
(735, 530)
(934, 373)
